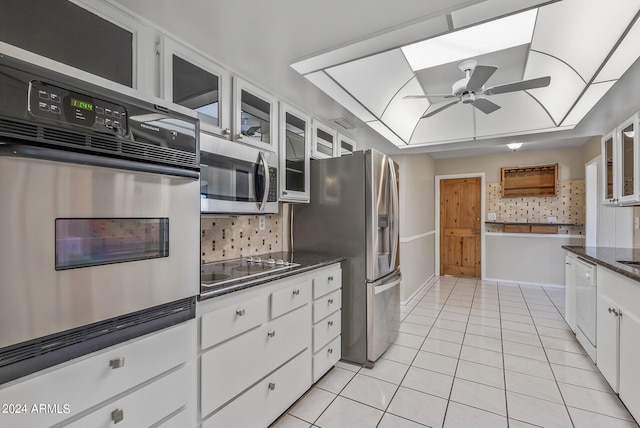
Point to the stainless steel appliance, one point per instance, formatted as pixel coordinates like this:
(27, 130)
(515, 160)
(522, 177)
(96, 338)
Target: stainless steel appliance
(354, 213)
(99, 230)
(236, 179)
(228, 275)
(586, 306)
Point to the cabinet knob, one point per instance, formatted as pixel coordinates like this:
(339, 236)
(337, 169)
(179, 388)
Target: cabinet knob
(330, 279)
(117, 416)
(116, 363)
(239, 136)
(296, 292)
(330, 301)
(240, 312)
(272, 386)
(330, 323)
(226, 131)
(284, 192)
(330, 351)
(271, 333)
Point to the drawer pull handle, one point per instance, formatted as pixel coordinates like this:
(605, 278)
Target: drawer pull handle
(330, 350)
(117, 416)
(272, 386)
(614, 312)
(296, 292)
(330, 278)
(330, 301)
(330, 323)
(272, 333)
(116, 363)
(240, 312)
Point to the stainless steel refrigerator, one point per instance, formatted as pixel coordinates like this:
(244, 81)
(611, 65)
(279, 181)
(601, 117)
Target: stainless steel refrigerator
(353, 212)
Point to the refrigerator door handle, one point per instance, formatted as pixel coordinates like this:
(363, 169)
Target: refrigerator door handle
(396, 213)
(382, 288)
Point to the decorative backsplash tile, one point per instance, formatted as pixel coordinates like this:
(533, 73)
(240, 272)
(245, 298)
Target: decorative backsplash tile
(232, 237)
(567, 207)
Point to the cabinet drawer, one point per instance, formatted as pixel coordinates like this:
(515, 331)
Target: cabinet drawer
(268, 399)
(145, 406)
(230, 368)
(290, 298)
(225, 323)
(327, 282)
(327, 305)
(326, 329)
(90, 380)
(326, 358)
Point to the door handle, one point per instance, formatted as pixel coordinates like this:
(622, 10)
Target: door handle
(396, 212)
(265, 196)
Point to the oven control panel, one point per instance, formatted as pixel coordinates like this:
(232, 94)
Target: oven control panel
(58, 104)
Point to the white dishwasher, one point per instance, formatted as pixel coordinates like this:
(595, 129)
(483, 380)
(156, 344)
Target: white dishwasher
(586, 306)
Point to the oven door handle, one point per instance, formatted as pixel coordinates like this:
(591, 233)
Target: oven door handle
(56, 155)
(265, 194)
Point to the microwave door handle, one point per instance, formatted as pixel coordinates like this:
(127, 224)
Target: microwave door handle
(396, 212)
(265, 195)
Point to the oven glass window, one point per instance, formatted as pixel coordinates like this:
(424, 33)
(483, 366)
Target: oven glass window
(92, 242)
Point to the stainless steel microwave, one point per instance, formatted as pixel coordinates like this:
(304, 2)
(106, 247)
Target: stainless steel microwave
(236, 179)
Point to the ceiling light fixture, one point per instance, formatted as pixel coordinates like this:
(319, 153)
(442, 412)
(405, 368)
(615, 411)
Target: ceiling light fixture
(514, 146)
(472, 41)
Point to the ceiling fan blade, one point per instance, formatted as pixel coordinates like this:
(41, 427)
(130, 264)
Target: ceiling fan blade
(419, 97)
(485, 105)
(480, 75)
(540, 82)
(438, 110)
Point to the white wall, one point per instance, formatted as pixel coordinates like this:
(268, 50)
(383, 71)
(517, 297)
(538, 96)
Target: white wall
(417, 222)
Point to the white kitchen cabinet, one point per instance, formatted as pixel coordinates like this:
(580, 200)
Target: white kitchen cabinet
(258, 347)
(119, 380)
(255, 120)
(619, 336)
(346, 145)
(570, 290)
(194, 81)
(324, 143)
(295, 153)
(621, 171)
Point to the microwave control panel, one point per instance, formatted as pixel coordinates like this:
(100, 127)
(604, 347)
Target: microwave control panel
(273, 185)
(64, 106)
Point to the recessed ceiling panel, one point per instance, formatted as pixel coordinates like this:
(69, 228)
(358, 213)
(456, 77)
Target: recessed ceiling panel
(374, 80)
(590, 98)
(582, 32)
(518, 113)
(403, 115)
(381, 129)
(452, 124)
(565, 87)
(489, 9)
(626, 54)
(324, 82)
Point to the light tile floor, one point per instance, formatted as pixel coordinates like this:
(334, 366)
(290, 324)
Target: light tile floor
(470, 354)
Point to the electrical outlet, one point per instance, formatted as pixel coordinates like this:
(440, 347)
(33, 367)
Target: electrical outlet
(552, 219)
(261, 221)
(491, 216)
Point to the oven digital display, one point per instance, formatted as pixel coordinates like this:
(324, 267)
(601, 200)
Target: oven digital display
(84, 105)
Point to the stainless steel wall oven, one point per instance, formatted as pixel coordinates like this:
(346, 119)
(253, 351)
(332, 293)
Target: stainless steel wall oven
(99, 218)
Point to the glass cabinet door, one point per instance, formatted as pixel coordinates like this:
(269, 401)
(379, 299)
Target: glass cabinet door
(254, 117)
(607, 169)
(627, 163)
(324, 143)
(295, 138)
(192, 81)
(347, 145)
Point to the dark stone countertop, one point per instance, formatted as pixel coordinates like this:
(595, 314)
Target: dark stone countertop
(609, 258)
(307, 262)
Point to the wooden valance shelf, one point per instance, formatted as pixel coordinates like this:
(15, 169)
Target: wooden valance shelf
(529, 181)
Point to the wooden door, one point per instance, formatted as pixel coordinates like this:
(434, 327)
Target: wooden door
(460, 227)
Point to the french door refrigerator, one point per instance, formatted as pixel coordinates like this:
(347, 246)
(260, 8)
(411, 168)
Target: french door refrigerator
(353, 212)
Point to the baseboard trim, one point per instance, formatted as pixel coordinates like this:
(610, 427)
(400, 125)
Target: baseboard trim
(510, 281)
(415, 293)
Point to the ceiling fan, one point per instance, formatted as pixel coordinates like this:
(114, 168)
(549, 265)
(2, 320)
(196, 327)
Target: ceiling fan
(471, 90)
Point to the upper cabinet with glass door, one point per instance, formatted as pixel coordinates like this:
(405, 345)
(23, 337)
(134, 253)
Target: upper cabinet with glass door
(295, 146)
(621, 171)
(324, 141)
(254, 116)
(346, 145)
(193, 81)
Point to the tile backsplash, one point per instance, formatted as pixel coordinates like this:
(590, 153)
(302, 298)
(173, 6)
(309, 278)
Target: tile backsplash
(225, 237)
(568, 206)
